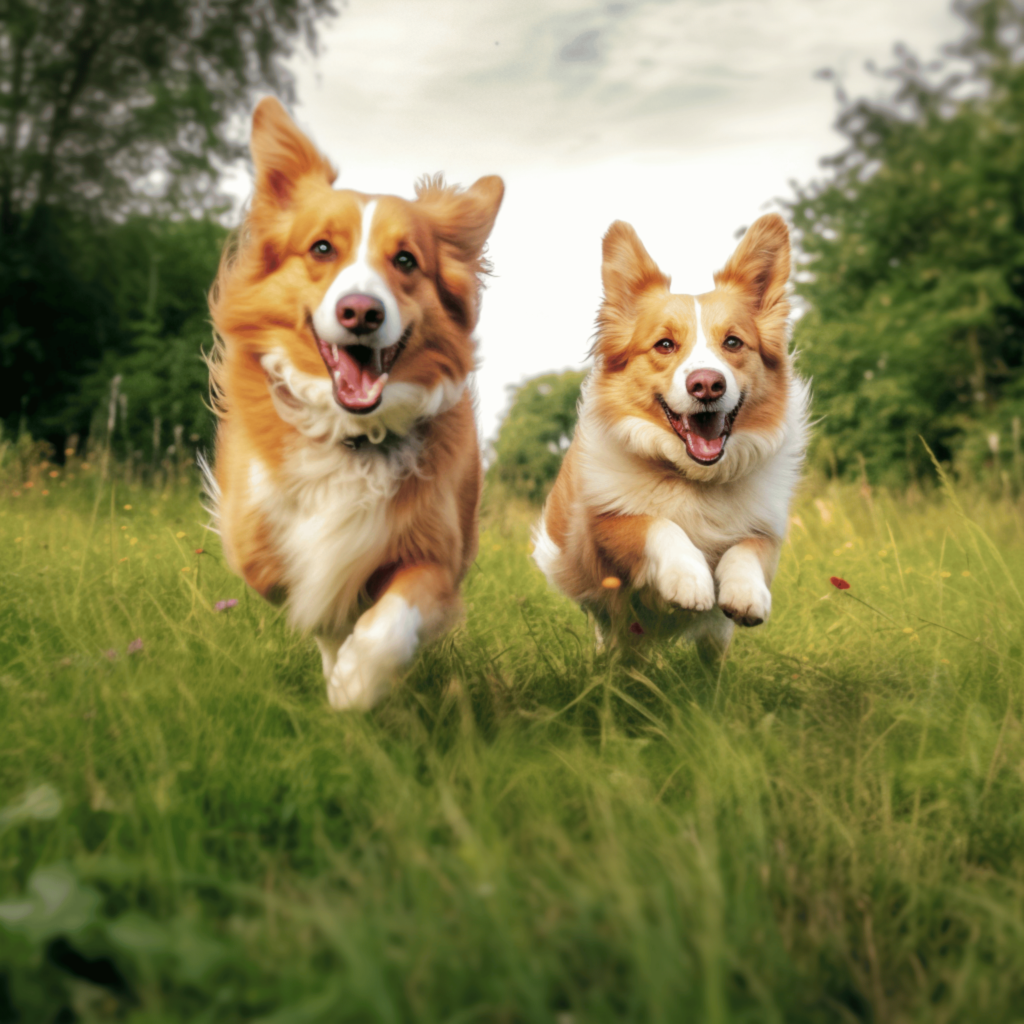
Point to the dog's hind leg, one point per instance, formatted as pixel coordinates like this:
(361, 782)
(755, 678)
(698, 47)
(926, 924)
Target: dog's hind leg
(418, 605)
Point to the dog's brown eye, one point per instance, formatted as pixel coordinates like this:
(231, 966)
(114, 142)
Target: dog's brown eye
(665, 345)
(405, 261)
(322, 250)
(732, 343)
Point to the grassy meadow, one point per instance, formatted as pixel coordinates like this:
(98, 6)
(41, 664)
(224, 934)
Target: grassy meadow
(831, 829)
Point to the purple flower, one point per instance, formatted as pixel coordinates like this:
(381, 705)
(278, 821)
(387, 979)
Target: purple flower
(224, 606)
(135, 646)
(110, 655)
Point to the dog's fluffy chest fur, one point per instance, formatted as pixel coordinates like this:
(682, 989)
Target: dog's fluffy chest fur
(329, 510)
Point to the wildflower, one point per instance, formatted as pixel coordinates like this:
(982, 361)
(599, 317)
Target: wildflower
(135, 647)
(839, 584)
(945, 575)
(636, 629)
(966, 573)
(45, 493)
(185, 568)
(28, 484)
(200, 551)
(110, 655)
(54, 474)
(611, 583)
(908, 630)
(225, 606)
(180, 534)
(127, 508)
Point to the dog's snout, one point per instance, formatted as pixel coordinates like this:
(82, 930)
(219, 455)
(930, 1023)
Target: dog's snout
(706, 385)
(360, 314)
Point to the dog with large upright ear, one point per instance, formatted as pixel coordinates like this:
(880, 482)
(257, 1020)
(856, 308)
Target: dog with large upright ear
(688, 448)
(348, 465)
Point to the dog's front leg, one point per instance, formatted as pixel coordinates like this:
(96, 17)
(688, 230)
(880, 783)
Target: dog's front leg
(419, 604)
(662, 556)
(743, 576)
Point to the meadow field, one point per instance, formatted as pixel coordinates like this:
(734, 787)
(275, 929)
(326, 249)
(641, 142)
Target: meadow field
(830, 829)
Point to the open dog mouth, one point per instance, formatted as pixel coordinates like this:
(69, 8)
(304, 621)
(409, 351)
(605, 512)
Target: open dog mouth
(703, 433)
(359, 372)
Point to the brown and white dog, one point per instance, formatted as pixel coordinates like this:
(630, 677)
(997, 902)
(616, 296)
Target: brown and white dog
(674, 495)
(347, 475)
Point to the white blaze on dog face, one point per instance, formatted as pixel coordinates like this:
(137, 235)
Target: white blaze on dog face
(701, 355)
(360, 277)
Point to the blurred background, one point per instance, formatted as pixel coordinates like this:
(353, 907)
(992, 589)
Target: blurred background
(890, 136)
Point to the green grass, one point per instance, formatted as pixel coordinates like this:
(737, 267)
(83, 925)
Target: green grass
(830, 830)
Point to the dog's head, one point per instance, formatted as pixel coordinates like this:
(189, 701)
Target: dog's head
(698, 381)
(373, 296)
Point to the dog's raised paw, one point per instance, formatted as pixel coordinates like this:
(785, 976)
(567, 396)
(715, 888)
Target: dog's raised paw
(687, 584)
(747, 602)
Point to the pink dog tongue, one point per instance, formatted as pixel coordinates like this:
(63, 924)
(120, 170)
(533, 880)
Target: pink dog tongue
(355, 386)
(704, 435)
(704, 448)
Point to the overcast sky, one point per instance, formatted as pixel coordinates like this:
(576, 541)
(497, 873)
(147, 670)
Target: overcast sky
(686, 117)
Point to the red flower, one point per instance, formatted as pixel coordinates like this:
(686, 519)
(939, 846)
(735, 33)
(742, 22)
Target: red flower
(839, 584)
(636, 629)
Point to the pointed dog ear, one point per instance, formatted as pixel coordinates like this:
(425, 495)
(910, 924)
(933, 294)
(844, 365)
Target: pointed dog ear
(462, 220)
(759, 269)
(627, 272)
(283, 155)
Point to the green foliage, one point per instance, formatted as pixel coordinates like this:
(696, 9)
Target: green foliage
(528, 830)
(110, 104)
(94, 300)
(915, 269)
(536, 433)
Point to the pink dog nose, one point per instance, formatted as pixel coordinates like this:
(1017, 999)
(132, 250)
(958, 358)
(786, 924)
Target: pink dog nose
(706, 385)
(360, 314)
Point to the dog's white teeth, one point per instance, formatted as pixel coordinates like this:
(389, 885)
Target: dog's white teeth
(334, 352)
(378, 386)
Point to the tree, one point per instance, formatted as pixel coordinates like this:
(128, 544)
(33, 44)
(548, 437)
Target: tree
(536, 433)
(915, 259)
(113, 104)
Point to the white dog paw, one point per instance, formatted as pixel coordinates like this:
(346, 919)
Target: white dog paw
(748, 602)
(689, 584)
(678, 569)
(383, 642)
(359, 679)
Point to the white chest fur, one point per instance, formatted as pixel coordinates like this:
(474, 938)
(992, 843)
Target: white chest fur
(329, 515)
